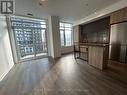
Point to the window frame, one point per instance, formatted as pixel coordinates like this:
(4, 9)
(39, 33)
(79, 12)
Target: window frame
(30, 20)
(64, 30)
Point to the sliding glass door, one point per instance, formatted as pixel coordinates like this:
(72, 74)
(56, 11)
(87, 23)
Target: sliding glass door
(30, 37)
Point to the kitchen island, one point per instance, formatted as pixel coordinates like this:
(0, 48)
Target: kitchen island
(97, 54)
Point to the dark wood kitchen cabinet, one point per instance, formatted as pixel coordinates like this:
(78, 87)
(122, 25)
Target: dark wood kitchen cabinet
(118, 16)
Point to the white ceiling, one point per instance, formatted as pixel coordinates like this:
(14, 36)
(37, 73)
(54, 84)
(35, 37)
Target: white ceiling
(67, 10)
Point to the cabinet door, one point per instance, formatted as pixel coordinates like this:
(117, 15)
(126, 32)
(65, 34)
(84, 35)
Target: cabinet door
(118, 16)
(91, 56)
(114, 17)
(125, 14)
(76, 33)
(96, 57)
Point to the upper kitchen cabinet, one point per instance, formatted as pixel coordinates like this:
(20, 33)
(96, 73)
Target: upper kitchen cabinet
(76, 34)
(118, 16)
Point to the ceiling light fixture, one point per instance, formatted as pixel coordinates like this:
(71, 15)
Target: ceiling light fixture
(87, 4)
(43, 2)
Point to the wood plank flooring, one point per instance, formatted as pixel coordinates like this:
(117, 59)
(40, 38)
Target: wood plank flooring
(61, 77)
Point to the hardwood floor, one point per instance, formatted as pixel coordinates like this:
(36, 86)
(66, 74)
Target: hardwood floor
(61, 77)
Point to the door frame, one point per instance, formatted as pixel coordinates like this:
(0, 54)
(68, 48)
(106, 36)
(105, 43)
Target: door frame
(13, 41)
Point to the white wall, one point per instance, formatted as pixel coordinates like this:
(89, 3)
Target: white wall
(65, 50)
(54, 36)
(6, 59)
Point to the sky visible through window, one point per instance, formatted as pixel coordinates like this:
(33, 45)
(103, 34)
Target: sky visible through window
(66, 34)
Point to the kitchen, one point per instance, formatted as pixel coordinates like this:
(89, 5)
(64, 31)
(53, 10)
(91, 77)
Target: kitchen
(103, 41)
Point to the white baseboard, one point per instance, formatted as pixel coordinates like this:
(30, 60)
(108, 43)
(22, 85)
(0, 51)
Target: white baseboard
(3, 75)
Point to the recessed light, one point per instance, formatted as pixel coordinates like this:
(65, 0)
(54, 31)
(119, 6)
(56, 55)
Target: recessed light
(43, 2)
(87, 4)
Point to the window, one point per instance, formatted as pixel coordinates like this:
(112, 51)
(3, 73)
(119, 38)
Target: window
(66, 34)
(30, 37)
